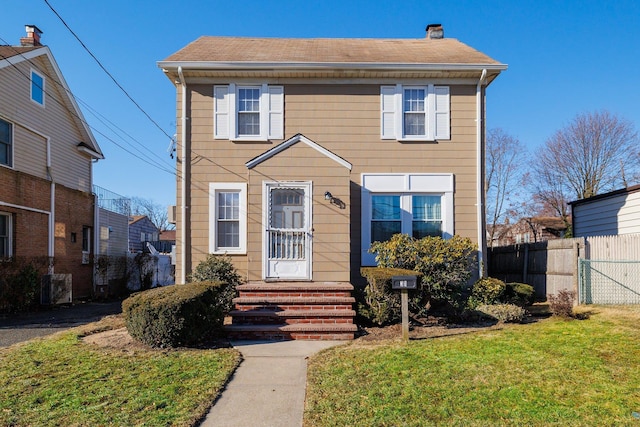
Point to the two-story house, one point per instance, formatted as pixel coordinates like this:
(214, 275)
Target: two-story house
(294, 155)
(47, 209)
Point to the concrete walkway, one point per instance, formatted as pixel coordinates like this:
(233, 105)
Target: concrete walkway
(268, 388)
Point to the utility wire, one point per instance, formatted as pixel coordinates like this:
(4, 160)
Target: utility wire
(105, 70)
(172, 171)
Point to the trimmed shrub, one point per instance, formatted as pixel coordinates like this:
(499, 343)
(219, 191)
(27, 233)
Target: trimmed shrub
(561, 304)
(519, 294)
(503, 312)
(381, 304)
(445, 265)
(218, 268)
(486, 290)
(178, 315)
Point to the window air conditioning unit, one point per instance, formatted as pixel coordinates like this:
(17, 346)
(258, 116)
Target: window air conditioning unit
(85, 258)
(171, 217)
(55, 289)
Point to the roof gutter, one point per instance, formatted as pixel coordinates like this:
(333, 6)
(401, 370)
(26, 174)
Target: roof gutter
(480, 174)
(183, 179)
(236, 65)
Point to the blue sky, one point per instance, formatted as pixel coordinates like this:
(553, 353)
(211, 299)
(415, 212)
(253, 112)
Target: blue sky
(564, 57)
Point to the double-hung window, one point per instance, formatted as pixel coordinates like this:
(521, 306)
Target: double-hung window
(37, 87)
(248, 112)
(6, 143)
(228, 218)
(6, 251)
(415, 204)
(415, 113)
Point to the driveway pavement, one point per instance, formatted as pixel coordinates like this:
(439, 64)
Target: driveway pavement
(15, 328)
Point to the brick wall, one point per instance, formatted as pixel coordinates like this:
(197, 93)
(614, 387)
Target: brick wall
(73, 211)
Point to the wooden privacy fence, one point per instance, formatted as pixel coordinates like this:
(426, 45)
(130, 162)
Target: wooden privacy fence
(554, 265)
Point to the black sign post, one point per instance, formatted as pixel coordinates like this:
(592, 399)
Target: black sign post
(404, 283)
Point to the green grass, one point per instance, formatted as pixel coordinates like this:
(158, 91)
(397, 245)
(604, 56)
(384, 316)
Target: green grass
(61, 381)
(552, 372)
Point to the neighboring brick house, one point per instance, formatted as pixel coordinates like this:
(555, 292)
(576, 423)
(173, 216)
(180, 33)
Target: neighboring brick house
(529, 230)
(47, 208)
(296, 154)
(141, 231)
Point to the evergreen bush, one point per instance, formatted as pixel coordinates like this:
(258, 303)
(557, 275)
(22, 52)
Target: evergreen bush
(178, 315)
(503, 312)
(446, 266)
(380, 304)
(218, 268)
(486, 290)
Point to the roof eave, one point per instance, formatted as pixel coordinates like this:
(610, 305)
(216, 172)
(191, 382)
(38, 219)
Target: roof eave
(384, 66)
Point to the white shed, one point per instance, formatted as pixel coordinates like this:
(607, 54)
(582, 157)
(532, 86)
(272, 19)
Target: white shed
(609, 214)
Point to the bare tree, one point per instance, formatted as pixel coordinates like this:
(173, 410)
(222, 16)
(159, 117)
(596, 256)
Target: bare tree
(593, 154)
(157, 213)
(504, 166)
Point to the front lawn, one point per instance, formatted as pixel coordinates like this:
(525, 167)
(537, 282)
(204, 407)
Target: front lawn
(552, 372)
(62, 381)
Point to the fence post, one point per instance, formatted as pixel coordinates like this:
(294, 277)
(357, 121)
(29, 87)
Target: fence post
(576, 269)
(525, 263)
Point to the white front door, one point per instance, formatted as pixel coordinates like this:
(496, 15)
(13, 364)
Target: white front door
(287, 220)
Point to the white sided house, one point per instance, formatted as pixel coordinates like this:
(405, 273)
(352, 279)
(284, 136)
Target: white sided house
(610, 214)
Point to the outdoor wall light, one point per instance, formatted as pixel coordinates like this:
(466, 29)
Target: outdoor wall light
(328, 195)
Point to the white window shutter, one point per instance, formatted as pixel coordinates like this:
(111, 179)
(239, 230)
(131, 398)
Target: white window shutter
(221, 113)
(276, 112)
(442, 117)
(388, 112)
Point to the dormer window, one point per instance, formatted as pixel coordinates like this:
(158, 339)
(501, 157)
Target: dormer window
(37, 88)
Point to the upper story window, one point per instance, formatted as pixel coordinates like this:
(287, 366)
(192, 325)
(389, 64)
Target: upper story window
(414, 102)
(6, 143)
(37, 87)
(415, 113)
(248, 112)
(6, 251)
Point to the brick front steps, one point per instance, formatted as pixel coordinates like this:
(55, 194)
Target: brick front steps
(293, 310)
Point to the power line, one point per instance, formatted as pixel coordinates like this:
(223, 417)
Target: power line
(105, 70)
(172, 171)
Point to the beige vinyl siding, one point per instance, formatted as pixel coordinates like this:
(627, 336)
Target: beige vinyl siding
(345, 120)
(56, 120)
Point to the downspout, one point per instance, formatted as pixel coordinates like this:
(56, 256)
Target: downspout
(183, 180)
(480, 174)
(52, 209)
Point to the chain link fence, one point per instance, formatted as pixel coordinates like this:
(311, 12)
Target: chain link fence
(608, 282)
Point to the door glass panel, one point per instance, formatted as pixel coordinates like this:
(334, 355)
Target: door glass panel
(287, 208)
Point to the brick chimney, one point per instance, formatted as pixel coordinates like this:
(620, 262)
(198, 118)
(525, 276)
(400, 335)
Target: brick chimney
(435, 31)
(33, 36)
